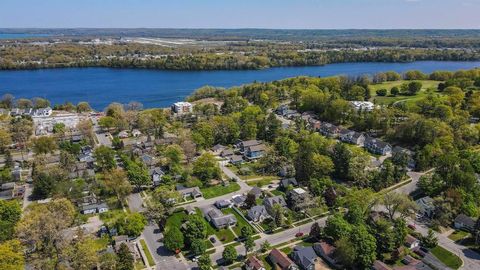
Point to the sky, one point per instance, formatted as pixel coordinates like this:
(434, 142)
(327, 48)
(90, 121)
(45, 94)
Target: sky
(277, 14)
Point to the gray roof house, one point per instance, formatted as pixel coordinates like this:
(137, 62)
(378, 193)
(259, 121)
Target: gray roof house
(194, 192)
(235, 159)
(425, 206)
(377, 146)
(219, 220)
(284, 183)
(256, 191)
(329, 130)
(306, 258)
(156, 174)
(258, 213)
(223, 204)
(243, 145)
(464, 222)
(352, 137)
(239, 200)
(271, 201)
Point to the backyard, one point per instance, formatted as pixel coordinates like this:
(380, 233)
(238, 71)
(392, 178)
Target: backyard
(219, 190)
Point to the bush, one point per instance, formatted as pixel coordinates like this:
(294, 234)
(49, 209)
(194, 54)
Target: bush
(381, 92)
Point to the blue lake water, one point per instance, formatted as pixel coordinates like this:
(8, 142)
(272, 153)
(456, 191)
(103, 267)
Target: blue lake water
(160, 88)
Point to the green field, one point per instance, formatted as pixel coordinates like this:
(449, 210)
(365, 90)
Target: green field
(448, 258)
(175, 220)
(427, 86)
(149, 256)
(219, 190)
(458, 235)
(225, 235)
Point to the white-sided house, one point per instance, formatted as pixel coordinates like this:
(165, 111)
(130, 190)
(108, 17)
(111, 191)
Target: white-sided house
(94, 208)
(412, 242)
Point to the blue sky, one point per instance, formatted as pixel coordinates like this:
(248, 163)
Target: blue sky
(305, 14)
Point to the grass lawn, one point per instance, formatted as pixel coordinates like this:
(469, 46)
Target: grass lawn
(277, 192)
(448, 258)
(219, 190)
(111, 216)
(139, 265)
(241, 222)
(263, 181)
(458, 235)
(225, 235)
(101, 243)
(386, 100)
(175, 220)
(286, 250)
(150, 260)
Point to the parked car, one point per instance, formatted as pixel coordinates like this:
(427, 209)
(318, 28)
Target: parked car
(213, 240)
(299, 234)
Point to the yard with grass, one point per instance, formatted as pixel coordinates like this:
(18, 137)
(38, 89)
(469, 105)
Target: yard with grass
(252, 174)
(448, 258)
(149, 256)
(219, 190)
(225, 235)
(241, 222)
(262, 181)
(427, 86)
(175, 220)
(458, 235)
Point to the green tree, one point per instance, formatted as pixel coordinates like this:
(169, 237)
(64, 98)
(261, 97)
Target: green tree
(315, 231)
(10, 214)
(174, 239)
(174, 155)
(206, 167)
(204, 262)
(125, 259)
(398, 203)
(105, 158)
(195, 228)
(198, 247)
(365, 246)
(44, 145)
(138, 175)
(337, 227)
(11, 255)
(83, 107)
(430, 241)
(132, 224)
(83, 255)
(203, 135)
(229, 254)
(345, 252)
(249, 244)
(116, 181)
(265, 246)
(246, 232)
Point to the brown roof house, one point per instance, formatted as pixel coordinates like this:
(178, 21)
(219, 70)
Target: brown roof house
(281, 260)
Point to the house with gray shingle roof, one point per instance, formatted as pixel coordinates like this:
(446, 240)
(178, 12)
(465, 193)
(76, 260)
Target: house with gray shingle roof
(258, 213)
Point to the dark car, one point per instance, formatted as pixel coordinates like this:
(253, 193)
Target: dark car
(299, 234)
(213, 240)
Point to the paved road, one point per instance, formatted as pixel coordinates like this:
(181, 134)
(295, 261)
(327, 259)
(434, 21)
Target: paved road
(135, 202)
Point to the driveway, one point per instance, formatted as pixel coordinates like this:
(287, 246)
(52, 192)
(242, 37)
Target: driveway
(135, 202)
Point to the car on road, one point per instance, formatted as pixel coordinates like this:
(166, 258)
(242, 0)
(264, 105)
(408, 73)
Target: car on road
(299, 234)
(213, 240)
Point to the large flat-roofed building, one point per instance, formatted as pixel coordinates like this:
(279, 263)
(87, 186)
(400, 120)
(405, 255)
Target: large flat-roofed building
(182, 107)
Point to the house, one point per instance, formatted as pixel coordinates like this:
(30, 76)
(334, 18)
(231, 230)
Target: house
(258, 213)
(463, 222)
(329, 130)
(193, 192)
(352, 137)
(156, 174)
(235, 159)
(239, 200)
(400, 152)
(182, 108)
(223, 204)
(42, 112)
(327, 252)
(217, 149)
(377, 146)
(148, 160)
(281, 260)
(306, 258)
(270, 202)
(256, 191)
(190, 210)
(136, 133)
(220, 220)
(425, 206)
(94, 208)
(362, 105)
(227, 153)
(123, 239)
(314, 124)
(297, 198)
(123, 134)
(412, 242)
(243, 145)
(286, 182)
(379, 265)
(255, 151)
(253, 263)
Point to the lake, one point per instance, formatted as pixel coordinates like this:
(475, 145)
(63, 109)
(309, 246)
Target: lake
(160, 88)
